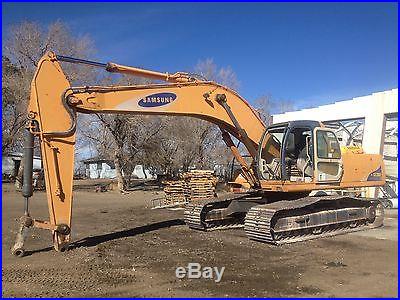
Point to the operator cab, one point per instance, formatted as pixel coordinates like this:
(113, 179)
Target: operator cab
(299, 151)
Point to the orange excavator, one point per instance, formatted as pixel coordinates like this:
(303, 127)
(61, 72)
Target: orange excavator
(289, 160)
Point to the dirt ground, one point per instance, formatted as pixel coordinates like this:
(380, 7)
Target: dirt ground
(122, 248)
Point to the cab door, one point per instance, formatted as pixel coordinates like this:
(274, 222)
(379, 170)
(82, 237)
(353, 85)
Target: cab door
(328, 166)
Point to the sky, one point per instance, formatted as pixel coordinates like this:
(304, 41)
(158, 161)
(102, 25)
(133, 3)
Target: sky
(306, 53)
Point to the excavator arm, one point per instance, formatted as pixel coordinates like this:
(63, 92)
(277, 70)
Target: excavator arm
(54, 105)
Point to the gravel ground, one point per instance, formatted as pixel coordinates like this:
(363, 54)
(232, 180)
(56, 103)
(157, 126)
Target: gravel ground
(122, 248)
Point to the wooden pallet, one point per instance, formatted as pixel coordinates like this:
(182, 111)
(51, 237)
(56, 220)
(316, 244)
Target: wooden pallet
(193, 186)
(200, 184)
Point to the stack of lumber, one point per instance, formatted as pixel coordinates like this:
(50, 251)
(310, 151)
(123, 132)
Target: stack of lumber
(174, 192)
(194, 185)
(199, 184)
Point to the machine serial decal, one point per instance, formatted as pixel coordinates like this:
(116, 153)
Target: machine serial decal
(375, 175)
(158, 99)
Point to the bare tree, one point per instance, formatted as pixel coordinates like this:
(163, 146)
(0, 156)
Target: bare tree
(25, 44)
(118, 126)
(167, 144)
(195, 142)
(15, 88)
(127, 140)
(126, 136)
(266, 106)
(224, 75)
(160, 152)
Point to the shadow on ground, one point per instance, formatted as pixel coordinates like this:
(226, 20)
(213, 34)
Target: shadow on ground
(92, 241)
(99, 239)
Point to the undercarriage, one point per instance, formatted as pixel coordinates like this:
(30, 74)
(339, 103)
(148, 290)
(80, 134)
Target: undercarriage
(266, 218)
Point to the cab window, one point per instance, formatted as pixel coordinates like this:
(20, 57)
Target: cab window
(327, 145)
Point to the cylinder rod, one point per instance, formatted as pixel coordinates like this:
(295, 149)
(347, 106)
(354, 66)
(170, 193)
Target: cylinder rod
(116, 68)
(80, 61)
(26, 207)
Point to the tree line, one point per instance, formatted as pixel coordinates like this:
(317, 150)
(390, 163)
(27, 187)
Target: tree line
(163, 144)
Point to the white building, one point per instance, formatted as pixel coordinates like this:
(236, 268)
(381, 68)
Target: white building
(11, 162)
(104, 168)
(99, 168)
(370, 121)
